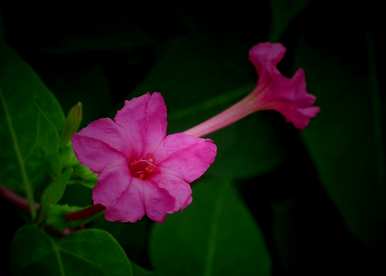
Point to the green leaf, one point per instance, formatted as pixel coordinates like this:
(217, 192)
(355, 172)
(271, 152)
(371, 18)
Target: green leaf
(199, 77)
(30, 121)
(54, 192)
(344, 140)
(283, 11)
(87, 252)
(215, 235)
(72, 122)
(133, 237)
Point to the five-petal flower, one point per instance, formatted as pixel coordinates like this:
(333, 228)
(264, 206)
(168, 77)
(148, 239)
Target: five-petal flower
(142, 170)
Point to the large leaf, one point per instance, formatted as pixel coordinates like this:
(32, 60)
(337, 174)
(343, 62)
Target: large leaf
(198, 77)
(344, 141)
(88, 252)
(216, 235)
(133, 237)
(31, 120)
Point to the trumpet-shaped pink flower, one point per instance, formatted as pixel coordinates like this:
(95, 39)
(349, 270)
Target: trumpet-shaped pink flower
(140, 169)
(273, 91)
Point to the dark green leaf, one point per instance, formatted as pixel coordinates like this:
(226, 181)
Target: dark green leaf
(133, 237)
(215, 235)
(344, 142)
(283, 11)
(30, 121)
(198, 78)
(87, 252)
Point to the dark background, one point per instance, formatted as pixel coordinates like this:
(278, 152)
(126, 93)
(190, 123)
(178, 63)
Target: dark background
(53, 40)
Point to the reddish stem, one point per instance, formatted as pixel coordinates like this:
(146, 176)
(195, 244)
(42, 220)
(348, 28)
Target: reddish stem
(15, 199)
(85, 213)
(22, 203)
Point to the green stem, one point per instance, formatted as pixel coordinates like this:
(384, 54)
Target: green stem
(23, 171)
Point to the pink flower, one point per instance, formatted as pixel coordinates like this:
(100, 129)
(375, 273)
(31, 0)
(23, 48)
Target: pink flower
(143, 171)
(273, 91)
(140, 169)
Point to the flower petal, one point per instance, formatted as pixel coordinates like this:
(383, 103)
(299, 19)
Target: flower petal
(178, 188)
(95, 154)
(129, 207)
(144, 121)
(107, 131)
(275, 91)
(186, 156)
(158, 202)
(300, 117)
(140, 198)
(112, 182)
(265, 57)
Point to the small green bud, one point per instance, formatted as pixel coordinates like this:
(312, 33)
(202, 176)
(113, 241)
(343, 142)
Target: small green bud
(72, 123)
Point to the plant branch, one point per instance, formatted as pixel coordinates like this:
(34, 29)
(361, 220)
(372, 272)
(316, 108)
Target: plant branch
(22, 203)
(16, 200)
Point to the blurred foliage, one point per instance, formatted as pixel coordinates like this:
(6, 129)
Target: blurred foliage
(343, 144)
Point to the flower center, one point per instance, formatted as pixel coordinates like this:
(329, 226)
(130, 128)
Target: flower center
(143, 168)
